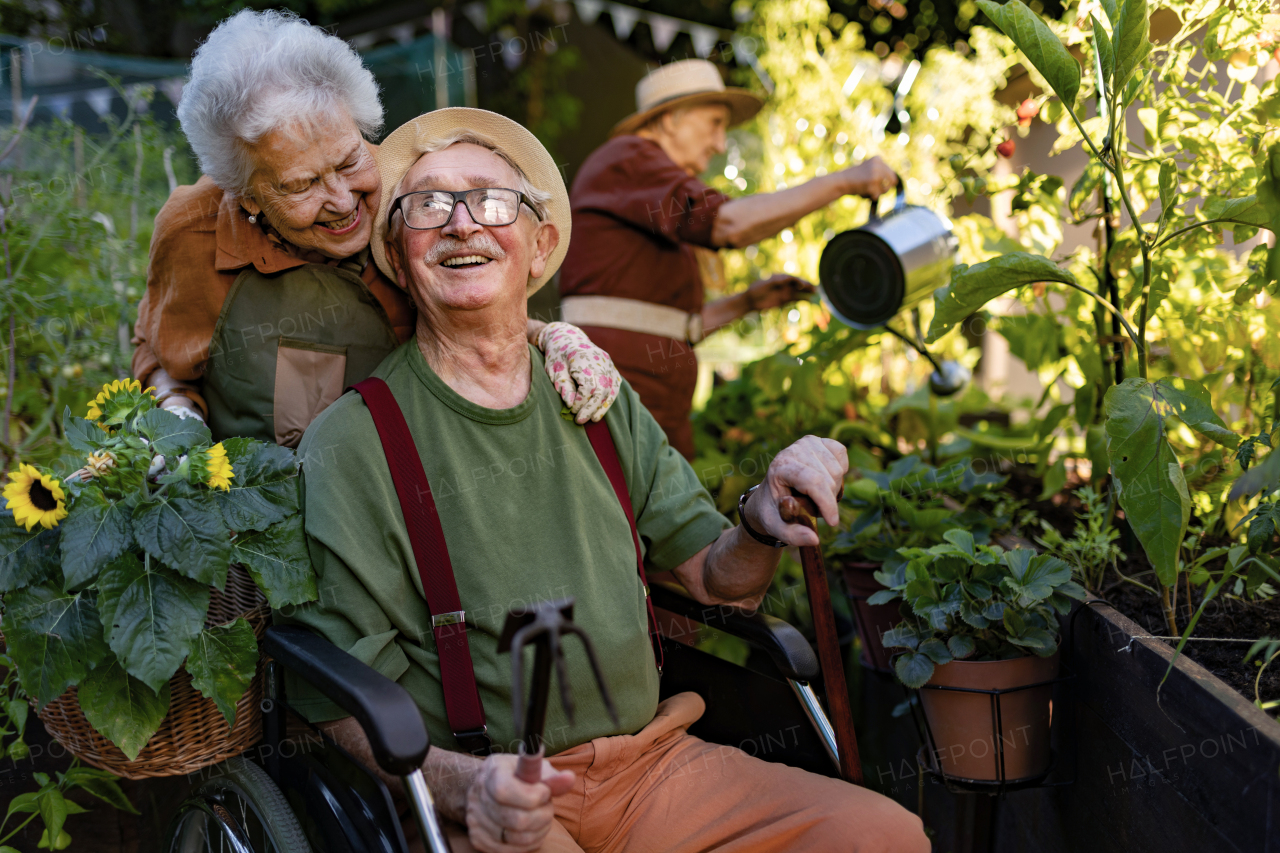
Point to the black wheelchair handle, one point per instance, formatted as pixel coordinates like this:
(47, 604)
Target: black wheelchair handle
(385, 710)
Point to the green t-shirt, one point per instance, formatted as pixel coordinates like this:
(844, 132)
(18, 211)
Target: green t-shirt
(528, 514)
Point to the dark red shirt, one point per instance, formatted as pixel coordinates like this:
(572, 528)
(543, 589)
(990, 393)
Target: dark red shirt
(636, 219)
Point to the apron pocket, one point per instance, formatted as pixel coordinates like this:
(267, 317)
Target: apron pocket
(309, 377)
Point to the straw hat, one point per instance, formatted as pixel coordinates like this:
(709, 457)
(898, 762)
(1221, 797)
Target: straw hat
(683, 84)
(399, 151)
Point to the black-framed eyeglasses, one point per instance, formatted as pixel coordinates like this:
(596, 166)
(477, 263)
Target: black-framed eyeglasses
(491, 206)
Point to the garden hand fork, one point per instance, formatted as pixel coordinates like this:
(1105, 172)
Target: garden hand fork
(543, 624)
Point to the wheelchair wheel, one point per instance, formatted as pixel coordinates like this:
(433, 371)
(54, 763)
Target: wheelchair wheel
(237, 810)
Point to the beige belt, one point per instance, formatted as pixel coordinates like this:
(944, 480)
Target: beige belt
(614, 312)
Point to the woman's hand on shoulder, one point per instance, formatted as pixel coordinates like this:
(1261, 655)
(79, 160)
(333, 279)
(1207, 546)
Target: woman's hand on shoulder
(582, 373)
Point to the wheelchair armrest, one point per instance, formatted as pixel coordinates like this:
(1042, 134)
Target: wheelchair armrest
(385, 710)
(785, 646)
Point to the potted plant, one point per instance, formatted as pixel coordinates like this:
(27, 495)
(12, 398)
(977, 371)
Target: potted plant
(910, 504)
(124, 604)
(981, 619)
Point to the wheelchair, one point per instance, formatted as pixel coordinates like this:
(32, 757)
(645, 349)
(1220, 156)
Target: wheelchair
(323, 800)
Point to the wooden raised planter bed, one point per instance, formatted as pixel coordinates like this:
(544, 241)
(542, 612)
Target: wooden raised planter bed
(1200, 776)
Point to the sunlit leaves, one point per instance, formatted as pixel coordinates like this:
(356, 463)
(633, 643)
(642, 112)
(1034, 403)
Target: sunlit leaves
(1034, 38)
(975, 286)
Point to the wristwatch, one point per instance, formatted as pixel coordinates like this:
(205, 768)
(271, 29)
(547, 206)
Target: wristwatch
(762, 538)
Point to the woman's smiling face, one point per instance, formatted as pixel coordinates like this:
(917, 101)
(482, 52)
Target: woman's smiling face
(317, 184)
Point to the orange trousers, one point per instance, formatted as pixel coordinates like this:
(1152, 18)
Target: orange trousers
(662, 790)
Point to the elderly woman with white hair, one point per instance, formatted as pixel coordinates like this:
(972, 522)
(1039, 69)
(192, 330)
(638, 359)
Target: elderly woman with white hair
(262, 302)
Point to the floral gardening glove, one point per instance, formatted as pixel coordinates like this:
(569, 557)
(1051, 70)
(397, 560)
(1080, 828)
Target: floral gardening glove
(581, 371)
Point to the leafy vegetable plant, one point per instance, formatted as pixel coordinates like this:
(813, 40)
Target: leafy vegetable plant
(106, 576)
(973, 602)
(1193, 142)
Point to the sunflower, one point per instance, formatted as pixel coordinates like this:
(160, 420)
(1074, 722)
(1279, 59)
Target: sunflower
(35, 498)
(218, 468)
(118, 400)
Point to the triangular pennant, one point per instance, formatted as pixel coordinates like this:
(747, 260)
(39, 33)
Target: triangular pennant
(624, 20)
(99, 100)
(664, 31)
(60, 104)
(588, 10)
(477, 14)
(172, 88)
(704, 39)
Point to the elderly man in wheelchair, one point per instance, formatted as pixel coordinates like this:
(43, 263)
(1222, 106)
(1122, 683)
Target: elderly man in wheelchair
(450, 487)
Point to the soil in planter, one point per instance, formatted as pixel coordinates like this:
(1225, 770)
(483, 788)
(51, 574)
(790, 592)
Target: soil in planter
(1223, 618)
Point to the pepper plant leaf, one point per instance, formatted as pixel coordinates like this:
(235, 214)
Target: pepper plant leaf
(26, 557)
(126, 711)
(974, 286)
(277, 559)
(1152, 488)
(187, 534)
(95, 534)
(264, 489)
(1130, 43)
(1039, 44)
(1246, 210)
(1194, 407)
(171, 435)
(152, 616)
(54, 639)
(222, 664)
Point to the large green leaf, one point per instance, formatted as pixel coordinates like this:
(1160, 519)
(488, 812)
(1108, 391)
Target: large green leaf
(1152, 489)
(1246, 210)
(975, 286)
(1130, 43)
(187, 534)
(26, 558)
(122, 708)
(1038, 43)
(1104, 54)
(97, 531)
(54, 639)
(1193, 406)
(278, 560)
(222, 664)
(170, 434)
(152, 616)
(264, 489)
(83, 435)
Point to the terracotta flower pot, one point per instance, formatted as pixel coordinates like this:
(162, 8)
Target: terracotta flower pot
(873, 619)
(963, 725)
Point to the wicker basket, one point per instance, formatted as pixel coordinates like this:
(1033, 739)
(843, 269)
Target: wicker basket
(194, 734)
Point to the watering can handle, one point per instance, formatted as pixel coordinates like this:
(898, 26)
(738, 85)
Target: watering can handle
(899, 201)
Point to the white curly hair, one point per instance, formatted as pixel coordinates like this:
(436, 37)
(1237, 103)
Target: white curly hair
(258, 71)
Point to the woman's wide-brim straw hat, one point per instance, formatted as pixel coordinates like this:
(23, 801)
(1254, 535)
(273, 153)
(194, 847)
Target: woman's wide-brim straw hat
(687, 83)
(399, 151)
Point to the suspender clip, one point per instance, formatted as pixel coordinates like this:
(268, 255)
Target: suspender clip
(453, 617)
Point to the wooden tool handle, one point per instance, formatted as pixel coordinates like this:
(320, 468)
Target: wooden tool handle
(799, 509)
(529, 767)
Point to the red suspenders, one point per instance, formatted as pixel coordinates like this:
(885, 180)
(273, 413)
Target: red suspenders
(457, 675)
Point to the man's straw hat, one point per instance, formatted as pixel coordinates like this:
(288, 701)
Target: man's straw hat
(399, 151)
(684, 84)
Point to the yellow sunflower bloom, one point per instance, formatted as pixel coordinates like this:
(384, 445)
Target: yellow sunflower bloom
(219, 468)
(112, 392)
(35, 498)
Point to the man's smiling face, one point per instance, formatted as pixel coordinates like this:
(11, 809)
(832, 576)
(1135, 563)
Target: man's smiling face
(465, 266)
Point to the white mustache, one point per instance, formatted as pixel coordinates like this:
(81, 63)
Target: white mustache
(479, 244)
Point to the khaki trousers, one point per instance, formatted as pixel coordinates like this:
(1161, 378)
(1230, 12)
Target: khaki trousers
(662, 790)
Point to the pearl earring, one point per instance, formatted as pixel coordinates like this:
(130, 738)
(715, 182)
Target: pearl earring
(253, 217)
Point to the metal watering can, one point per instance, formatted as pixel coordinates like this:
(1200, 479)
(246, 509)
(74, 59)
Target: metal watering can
(871, 274)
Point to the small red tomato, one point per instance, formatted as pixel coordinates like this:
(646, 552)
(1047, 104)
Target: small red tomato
(1027, 110)
(1005, 149)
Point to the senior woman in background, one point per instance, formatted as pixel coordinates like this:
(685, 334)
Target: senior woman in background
(262, 303)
